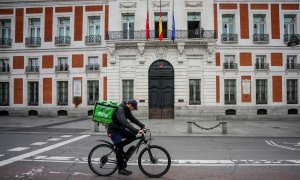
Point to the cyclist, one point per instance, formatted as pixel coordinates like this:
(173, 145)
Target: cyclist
(120, 129)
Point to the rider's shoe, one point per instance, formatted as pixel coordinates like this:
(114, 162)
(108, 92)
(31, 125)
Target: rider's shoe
(124, 172)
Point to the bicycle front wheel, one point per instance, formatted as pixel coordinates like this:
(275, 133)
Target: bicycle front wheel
(154, 161)
(102, 160)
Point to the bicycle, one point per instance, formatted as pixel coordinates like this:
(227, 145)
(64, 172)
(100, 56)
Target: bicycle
(154, 161)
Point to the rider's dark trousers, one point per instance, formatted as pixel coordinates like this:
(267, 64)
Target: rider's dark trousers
(117, 139)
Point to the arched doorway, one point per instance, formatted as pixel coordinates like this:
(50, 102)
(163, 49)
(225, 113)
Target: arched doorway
(161, 90)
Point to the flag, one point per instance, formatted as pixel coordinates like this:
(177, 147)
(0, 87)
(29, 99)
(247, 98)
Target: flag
(160, 29)
(147, 23)
(173, 25)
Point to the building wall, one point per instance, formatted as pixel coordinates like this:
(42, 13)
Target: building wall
(122, 59)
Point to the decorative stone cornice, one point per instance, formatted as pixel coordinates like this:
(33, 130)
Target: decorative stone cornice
(127, 5)
(193, 4)
(156, 4)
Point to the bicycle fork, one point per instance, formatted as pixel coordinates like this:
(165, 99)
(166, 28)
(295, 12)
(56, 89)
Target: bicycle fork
(152, 158)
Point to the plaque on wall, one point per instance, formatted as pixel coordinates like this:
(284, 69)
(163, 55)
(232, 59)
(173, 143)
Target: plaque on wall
(77, 88)
(246, 85)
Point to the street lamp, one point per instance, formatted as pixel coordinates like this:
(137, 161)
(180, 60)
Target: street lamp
(294, 41)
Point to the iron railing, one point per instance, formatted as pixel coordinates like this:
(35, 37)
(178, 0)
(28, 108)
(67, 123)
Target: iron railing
(5, 69)
(230, 65)
(5, 42)
(32, 103)
(230, 38)
(5, 103)
(62, 68)
(287, 37)
(262, 66)
(261, 101)
(33, 69)
(92, 67)
(141, 35)
(63, 41)
(33, 41)
(295, 66)
(261, 38)
(93, 39)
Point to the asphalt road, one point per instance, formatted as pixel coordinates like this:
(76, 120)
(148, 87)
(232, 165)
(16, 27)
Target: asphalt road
(43, 155)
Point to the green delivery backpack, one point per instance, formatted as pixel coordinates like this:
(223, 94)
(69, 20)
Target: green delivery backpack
(103, 111)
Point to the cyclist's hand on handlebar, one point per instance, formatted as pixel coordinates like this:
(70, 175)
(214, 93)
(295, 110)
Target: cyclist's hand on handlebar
(141, 132)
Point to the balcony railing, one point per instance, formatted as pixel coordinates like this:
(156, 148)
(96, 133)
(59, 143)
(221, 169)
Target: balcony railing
(5, 69)
(141, 35)
(261, 66)
(287, 37)
(33, 41)
(4, 103)
(32, 69)
(261, 38)
(63, 41)
(92, 67)
(5, 42)
(230, 65)
(33, 103)
(93, 39)
(62, 68)
(261, 101)
(293, 66)
(229, 38)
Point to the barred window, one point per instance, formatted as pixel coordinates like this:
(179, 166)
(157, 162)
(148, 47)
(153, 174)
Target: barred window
(62, 93)
(93, 92)
(292, 91)
(230, 91)
(261, 91)
(4, 93)
(33, 94)
(195, 92)
(127, 90)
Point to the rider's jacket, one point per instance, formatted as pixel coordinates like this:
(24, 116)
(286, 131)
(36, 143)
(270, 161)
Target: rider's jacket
(120, 122)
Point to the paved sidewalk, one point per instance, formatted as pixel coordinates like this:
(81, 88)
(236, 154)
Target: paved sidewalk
(235, 128)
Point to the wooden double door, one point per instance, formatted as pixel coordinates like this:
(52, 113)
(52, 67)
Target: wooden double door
(161, 90)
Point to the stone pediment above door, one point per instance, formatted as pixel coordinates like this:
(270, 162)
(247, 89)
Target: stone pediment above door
(127, 51)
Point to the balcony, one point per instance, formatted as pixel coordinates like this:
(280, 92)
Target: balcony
(93, 40)
(287, 37)
(62, 68)
(92, 67)
(32, 69)
(5, 42)
(261, 66)
(229, 38)
(261, 38)
(32, 103)
(293, 66)
(33, 42)
(63, 41)
(141, 35)
(5, 70)
(230, 66)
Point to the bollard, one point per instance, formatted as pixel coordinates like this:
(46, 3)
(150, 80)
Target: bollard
(189, 127)
(96, 127)
(224, 127)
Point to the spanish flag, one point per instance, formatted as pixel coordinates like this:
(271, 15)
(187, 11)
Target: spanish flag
(147, 24)
(160, 28)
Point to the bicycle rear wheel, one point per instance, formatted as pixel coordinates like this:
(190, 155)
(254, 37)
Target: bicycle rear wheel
(154, 161)
(102, 160)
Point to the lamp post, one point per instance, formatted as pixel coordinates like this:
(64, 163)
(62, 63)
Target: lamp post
(294, 41)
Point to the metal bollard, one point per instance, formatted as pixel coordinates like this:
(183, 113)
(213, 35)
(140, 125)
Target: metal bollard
(96, 127)
(189, 127)
(224, 127)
